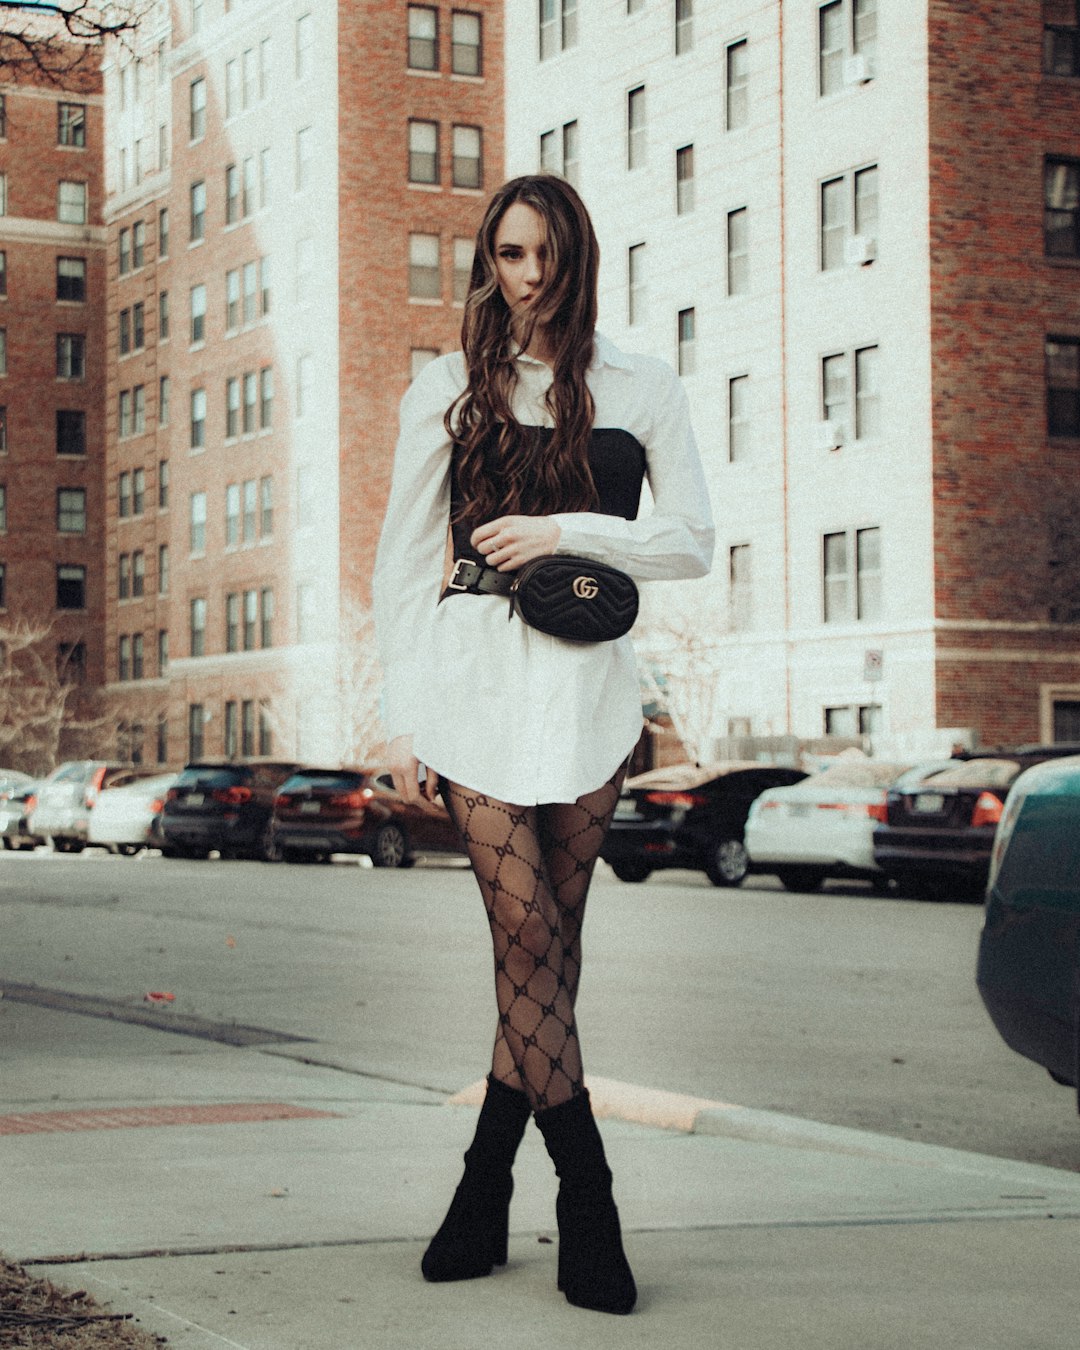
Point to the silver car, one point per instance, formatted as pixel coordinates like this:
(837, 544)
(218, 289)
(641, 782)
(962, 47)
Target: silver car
(126, 817)
(67, 796)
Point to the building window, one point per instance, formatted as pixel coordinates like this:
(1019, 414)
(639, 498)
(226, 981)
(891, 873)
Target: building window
(684, 180)
(738, 252)
(70, 587)
(231, 729)
(425, 282)
(70, 431)
(3, 430)
(198, 314)
(197, 110)
(247, 187)
(684, 26)
(264, 286)
(123, 332)
(138, 573)
(138, 670)
(162, 669)
(738, 411)
(423, 47)
(163, 485)
(266, 731)
(197, 625)
(3, 521)
(163, 316)
(635, 280)
(305, 157)
(70, 662)
(163, 401)
(138, 326)
(232, 194)
(635, 127)
(1063, 386)
(1061, 220)
(197, 523)
(558, 26)
(196, 724)
(740, 588)
(854, 720)
(687, 357)
(123, 495)
(423, 152)
(1061, 37)
(841, 373)
(70, 356)
(198, 419)
(138, 244)
(232, 621)
(251, 403)
(138, 491)
(467, 165)
(123, 576)
(305, 45)
(163, 233)
(123, 658)
(123, 251)
(232, 515)
(71, 510)
(849, 219)
(266, 617)
(266, 398)
(463, 261)
(3, 272)
(232, 300)
(71, 203)
(250, 293)
(232, 407)
(250, 516)
(71, 278)
(737, 100)
(251, 619)
(465, 43)
(847, 44)
(561, 158)
(197, 224)
(247, 727)
(163, 569)
(852, 576)
(266, 507)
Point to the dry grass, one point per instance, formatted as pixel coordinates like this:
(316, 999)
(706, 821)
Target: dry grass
(35, 1315)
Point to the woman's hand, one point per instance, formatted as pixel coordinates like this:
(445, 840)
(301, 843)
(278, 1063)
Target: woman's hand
(511, 541)
(406, 771)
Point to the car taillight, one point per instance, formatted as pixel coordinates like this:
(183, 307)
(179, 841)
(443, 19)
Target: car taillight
(232, 796)
(31, 802)
(94, 788)
(172, 795)
(684, 799)
(878, 811)
(157, 806)
(987, 811)
(282, 799)
(351, 801)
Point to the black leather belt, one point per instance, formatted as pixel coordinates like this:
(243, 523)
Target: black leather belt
(478, 579)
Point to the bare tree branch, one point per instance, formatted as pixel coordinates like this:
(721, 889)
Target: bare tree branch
(56, 41)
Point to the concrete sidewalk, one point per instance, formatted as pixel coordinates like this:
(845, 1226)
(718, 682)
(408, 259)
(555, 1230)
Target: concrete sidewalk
(239, 1197)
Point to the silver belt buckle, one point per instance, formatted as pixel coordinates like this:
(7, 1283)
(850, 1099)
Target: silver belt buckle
(454, 584)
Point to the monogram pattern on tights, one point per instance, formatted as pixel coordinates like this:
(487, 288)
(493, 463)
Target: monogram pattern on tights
(533, 865)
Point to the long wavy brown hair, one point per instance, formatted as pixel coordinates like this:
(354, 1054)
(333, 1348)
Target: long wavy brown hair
(502, 466)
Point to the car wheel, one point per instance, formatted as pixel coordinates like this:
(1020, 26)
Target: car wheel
(801, 878)
(127, 850)
(390, 848)
(881, 885)
(6, 842)
(67, 845)
(728, 864)
(632, 871)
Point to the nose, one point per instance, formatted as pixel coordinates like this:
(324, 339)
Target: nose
(534, 270)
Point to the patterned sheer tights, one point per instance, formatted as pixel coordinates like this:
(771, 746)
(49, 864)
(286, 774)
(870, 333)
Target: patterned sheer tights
(533, 865)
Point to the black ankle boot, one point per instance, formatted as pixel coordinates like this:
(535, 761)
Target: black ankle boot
(472, 1238)
(593, 1269)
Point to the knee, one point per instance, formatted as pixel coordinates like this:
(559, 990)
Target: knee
(528, 929)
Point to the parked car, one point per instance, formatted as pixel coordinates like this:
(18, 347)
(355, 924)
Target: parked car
(16, 804)
(824, 826)
(1029, 954)
(224, 805)
(937, 835)
(127, 818)
(14, 778)
(688, 816)
(318, 812)
(65, 799)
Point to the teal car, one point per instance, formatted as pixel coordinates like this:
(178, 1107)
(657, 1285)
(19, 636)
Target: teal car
(1029, 953)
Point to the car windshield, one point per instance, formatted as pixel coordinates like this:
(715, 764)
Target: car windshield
(328, 780)
(978, 773)
(76, 772)
(212, 776)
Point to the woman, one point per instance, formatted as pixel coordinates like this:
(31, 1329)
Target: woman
(533, 440)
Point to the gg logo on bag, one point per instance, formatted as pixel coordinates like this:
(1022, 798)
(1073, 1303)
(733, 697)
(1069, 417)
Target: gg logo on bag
(585, 588)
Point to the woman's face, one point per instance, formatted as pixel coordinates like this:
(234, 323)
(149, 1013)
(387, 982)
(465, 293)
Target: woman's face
(521, 257)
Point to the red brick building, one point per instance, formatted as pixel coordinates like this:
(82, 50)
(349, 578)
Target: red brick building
(52, 369)
(293, 190)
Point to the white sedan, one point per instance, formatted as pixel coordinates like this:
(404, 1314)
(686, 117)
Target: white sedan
(125, 819)
(824, 826)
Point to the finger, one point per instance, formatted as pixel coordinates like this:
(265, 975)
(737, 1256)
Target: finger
(431, 785)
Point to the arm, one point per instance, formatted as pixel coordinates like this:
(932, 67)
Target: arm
(409, 561)
(675, 539)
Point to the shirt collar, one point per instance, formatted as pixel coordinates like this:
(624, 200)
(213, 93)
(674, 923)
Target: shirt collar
(605, 353)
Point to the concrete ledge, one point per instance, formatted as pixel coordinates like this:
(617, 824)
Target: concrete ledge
(615, 1100)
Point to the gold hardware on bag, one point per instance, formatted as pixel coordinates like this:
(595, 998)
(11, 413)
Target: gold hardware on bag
(585, 588)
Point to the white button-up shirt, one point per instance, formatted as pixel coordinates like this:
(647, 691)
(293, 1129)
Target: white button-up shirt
(492, 704)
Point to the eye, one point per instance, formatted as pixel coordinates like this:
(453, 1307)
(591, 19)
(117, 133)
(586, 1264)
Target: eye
(510, 252)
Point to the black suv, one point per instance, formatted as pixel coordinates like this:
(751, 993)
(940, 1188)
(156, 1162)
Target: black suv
(225, 806)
